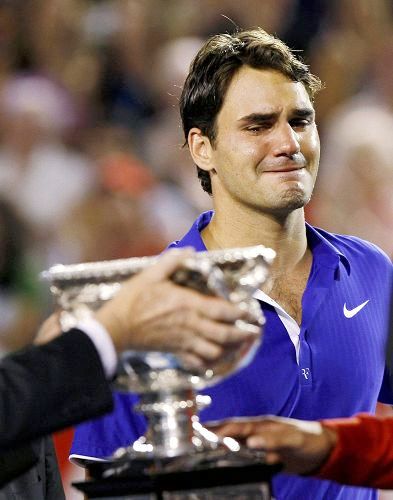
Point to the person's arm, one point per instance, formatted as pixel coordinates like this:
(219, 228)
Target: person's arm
(363, 454)
(152, 313)
(62, 381)
(301, 446)
(45, 388)
(356, 450)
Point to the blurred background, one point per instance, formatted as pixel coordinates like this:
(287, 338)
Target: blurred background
(91, 159)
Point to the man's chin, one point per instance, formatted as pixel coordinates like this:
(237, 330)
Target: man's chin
(282, 211)
(284, 203)
(294, 199)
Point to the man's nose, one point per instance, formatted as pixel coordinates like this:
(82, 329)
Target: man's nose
(286, 141)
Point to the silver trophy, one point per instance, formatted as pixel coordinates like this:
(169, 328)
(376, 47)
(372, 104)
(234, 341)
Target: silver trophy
(175, 439)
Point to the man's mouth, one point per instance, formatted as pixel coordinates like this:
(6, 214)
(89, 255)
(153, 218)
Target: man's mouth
(284, 169)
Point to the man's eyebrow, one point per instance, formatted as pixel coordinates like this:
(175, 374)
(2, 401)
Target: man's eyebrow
(304, 112)
(257, 117)
(264, 117)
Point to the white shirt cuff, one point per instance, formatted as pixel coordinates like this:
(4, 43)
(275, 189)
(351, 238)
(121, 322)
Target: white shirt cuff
(103, 343)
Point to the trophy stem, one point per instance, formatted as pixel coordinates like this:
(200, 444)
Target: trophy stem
(170, 418)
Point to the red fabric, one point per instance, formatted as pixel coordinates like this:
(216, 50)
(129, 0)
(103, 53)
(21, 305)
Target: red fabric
(62, 441)
(364, 452)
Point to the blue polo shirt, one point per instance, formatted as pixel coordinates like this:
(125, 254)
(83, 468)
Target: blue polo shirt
(332, 366)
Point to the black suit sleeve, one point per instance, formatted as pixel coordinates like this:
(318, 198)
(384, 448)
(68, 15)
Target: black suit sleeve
(49, 387)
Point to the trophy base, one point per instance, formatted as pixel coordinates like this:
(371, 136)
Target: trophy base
(216, 470)
(207, 482)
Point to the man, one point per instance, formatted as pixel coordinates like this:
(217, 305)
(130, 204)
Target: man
(249, 121)
(47, 387)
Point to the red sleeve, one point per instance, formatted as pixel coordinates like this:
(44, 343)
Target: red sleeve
(363, 455)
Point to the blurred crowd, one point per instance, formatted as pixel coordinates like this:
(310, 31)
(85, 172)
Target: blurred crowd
(92, 163)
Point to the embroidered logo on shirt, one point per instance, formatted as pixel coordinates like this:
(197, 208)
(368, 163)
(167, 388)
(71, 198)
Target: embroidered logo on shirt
(350, 313)
(306, 373)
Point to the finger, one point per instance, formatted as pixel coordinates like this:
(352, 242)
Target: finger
(275, 437)
(191, 361)
(166, 264)
(250, 328)
(205, 350)
(222, 333)
(236, 429)
(257, 441)
(49, 329)
(220, 309)
(272, 458)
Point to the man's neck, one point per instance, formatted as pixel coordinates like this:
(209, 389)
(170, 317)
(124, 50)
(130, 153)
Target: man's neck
(247, 227)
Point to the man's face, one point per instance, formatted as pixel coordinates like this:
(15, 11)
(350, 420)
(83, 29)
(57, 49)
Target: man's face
(266, 153)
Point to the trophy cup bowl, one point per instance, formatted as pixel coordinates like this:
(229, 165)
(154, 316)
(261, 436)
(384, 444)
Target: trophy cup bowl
(175, 440)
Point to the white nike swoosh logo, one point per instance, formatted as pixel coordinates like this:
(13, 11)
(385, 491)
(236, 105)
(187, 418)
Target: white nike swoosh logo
(350, 313)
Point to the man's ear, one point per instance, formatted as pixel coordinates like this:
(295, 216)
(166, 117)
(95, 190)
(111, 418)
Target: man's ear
(200, 149)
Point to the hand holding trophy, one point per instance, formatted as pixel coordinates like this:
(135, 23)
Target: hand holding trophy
(175, 445)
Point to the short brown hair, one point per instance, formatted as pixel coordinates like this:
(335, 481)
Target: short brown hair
(213, 68)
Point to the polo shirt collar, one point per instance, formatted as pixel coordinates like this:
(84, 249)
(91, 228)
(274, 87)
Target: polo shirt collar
(328, 255)
(193, 237)
(326, 252)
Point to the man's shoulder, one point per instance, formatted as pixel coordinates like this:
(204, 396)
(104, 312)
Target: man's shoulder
(193, 237)
(355, 248)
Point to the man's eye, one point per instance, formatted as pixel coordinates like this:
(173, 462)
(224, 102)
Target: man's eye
(300, 122)
(258, 128)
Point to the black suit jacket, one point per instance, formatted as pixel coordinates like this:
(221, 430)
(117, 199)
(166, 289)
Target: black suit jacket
(44, 389)
(40, 482)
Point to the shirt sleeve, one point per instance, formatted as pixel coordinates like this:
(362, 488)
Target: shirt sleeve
(363, 455)
(99, 438)
(102, 342)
